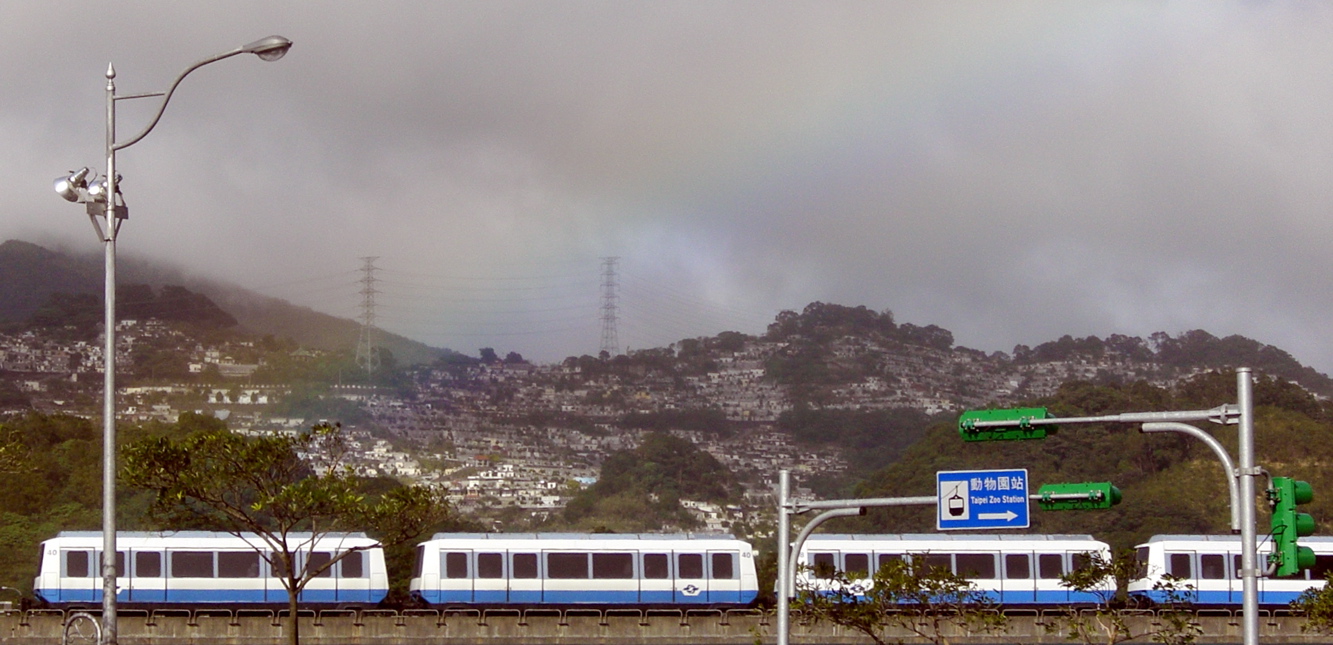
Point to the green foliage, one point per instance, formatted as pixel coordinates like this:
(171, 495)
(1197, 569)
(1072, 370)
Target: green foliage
(217, 480)
(641, 489)
(899, 601)
(1105, 578)
(1316, 604)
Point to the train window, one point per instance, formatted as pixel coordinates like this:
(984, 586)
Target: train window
(277, 568)
(421, 561)
(317, 560)
(858, 563)
(238, 564)
(823, 564)
(1141, 559)
(192, 564)
(525, 565)
(1235, 566)
(1050, 566)
(455, 564)
(1080, 561)
(886, 558)
(490, 565)
(120, 563)
(76, 564)
(977, 566)
(1213, 566)
(567, 566)
(1178, 564)
(723, 566)
(656, 566)
(613, 566)
(690, 566)
(147, 564)
(1322, 565)
(353, 565)
(929, 561)
(1017, 566)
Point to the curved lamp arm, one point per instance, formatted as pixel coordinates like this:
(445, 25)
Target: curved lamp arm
(268, 49)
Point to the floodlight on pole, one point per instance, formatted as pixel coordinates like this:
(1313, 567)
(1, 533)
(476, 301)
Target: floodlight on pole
(102, 197)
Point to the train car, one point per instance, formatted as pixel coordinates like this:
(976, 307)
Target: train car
(1013, 570)
(198, 568)
(561, 569)
(1208, 568)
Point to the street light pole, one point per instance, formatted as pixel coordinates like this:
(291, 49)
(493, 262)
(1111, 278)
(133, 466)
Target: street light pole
(103, 199)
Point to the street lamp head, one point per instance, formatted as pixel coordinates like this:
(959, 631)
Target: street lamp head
(270, 49)
(70, 185)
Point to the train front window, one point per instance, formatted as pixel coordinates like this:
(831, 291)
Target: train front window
(147, 564)
(1017, 566)
(1050, 566)
(421, 560)
(656, 566)
(490, 565)
(1141, 559)
(1178, 564)
(1213, 566)
(1080, 561)
(858, 563)
(976, 566)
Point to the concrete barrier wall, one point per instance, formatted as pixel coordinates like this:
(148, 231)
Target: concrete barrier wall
(583, 628)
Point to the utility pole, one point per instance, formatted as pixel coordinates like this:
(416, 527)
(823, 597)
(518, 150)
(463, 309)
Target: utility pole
(367, 352)
(610, 342)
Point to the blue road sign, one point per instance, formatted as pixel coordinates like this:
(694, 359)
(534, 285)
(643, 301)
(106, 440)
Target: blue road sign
(982, 499)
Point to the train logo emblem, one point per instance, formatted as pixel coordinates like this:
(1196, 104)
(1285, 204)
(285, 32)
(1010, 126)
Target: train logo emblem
(690, 590)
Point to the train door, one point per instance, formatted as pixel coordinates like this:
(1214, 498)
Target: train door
(1046, 585)
(456, 577)
(525, 578)
(1181, 564)
(146, 582)
(1213, 586)
(78, 578)
(274, 589)
(1018, 584)
(691, 585)
(122, 582)
(490, 584)
(323, 587)
(724, 577)
(655, 580)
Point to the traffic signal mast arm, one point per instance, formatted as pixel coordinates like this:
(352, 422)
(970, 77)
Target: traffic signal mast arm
(1222, 414)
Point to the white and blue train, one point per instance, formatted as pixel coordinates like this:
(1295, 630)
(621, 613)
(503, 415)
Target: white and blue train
(194, 568)
(1013, 570)
(554, 569)
(1207, 568)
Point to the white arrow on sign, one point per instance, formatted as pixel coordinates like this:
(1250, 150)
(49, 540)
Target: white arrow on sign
(1007, 516)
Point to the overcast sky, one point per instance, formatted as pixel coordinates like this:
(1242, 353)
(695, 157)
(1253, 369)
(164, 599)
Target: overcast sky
(1012, 172)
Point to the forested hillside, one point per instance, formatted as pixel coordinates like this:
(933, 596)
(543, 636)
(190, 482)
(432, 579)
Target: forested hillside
(1171, 483)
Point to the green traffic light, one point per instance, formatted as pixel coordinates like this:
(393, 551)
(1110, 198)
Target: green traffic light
(1288, 525)
(1072, 497)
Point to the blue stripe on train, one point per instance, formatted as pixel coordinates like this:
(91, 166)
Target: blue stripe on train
(207, 596)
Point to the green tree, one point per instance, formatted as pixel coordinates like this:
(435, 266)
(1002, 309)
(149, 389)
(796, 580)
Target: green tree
(1105, 578)
(900, 601)
(218, 480)
(1316, 604)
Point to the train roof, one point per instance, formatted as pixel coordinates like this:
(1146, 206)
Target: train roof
(951, 537)
(1224, 538)
(583, 536)
(201, 535)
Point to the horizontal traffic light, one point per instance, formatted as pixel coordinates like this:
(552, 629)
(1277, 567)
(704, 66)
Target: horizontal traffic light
(1078, 497)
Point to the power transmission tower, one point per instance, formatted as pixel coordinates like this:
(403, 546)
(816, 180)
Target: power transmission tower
(610, 342)
(367, 352)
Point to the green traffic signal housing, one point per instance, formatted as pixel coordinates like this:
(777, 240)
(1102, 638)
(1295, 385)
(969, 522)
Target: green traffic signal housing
(1018, 424)
(1078, 497)
(1288, 525)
